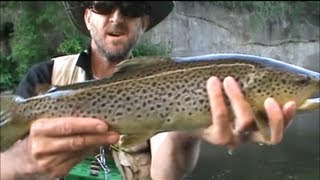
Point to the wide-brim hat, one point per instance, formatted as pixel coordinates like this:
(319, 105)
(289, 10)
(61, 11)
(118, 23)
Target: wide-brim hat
(159, 10)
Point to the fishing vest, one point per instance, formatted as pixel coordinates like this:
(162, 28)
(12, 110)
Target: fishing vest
(65, 70)
(134, 164)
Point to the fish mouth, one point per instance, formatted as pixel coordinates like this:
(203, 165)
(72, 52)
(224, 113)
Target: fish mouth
(309, 105)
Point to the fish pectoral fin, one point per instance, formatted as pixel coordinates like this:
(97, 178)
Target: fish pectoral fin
(261, 120)
(309, 105)
(129, 141)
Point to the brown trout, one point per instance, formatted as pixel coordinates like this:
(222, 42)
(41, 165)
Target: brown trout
(149, 95)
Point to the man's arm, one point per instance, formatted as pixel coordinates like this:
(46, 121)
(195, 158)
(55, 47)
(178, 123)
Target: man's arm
(174, 155)
(54, 145)
(38, 74)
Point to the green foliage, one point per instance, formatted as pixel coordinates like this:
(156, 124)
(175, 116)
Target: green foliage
(148, 49)
(8, 77)
(42, 31)
(71, 45)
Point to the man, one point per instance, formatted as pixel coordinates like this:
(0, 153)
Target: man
(55, 145)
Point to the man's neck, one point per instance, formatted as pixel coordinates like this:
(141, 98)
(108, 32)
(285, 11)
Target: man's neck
(100, 67)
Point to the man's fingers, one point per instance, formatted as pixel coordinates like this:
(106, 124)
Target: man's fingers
(276, 119)
(240, 106)
(219, 132)
(58, 165)
(289, 111)
(64, 168)
(68, 126)
(218, 107)
(71, 143)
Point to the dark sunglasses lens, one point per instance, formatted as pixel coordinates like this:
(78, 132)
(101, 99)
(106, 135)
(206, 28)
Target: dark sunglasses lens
(103, 7)
(130, 9)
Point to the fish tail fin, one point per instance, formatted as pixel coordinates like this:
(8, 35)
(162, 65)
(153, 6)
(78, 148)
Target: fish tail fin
(6, 102)
(10, 131)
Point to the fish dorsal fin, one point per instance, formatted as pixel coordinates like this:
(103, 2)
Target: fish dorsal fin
(44, 88)
(140, 63)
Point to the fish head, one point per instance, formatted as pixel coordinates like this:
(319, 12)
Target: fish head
(302, 86)
(283, 85)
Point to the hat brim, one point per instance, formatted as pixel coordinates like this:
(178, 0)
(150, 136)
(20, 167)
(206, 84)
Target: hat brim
(159, 11)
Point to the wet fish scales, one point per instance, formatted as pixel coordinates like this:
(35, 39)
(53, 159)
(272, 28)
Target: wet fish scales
(169, 94)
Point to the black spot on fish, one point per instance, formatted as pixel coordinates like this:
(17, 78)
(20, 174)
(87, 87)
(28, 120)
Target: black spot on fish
(119, 114)
(119, 106)
(201, 101)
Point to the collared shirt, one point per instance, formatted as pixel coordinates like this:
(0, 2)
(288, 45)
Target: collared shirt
(41, 73)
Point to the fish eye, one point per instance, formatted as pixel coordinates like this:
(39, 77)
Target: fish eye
(302, 79)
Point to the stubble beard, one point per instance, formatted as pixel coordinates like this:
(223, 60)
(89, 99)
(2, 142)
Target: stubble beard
(114, 56)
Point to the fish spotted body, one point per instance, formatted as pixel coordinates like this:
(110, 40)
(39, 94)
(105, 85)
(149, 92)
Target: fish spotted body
(152, 94)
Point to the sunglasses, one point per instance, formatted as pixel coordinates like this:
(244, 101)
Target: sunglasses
(127, 8)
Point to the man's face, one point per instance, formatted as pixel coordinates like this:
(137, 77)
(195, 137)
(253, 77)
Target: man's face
(113, 33)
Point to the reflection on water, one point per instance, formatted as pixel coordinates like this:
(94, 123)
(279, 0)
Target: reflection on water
(295, 158)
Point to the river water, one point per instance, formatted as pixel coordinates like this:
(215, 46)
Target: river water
(295, 158)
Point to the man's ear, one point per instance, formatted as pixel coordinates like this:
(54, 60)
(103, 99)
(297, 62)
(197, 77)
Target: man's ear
(145, 22)
(87, 17)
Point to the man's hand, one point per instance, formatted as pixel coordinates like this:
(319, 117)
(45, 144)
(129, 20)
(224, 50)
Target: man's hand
(228, 132)
(54, 146)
